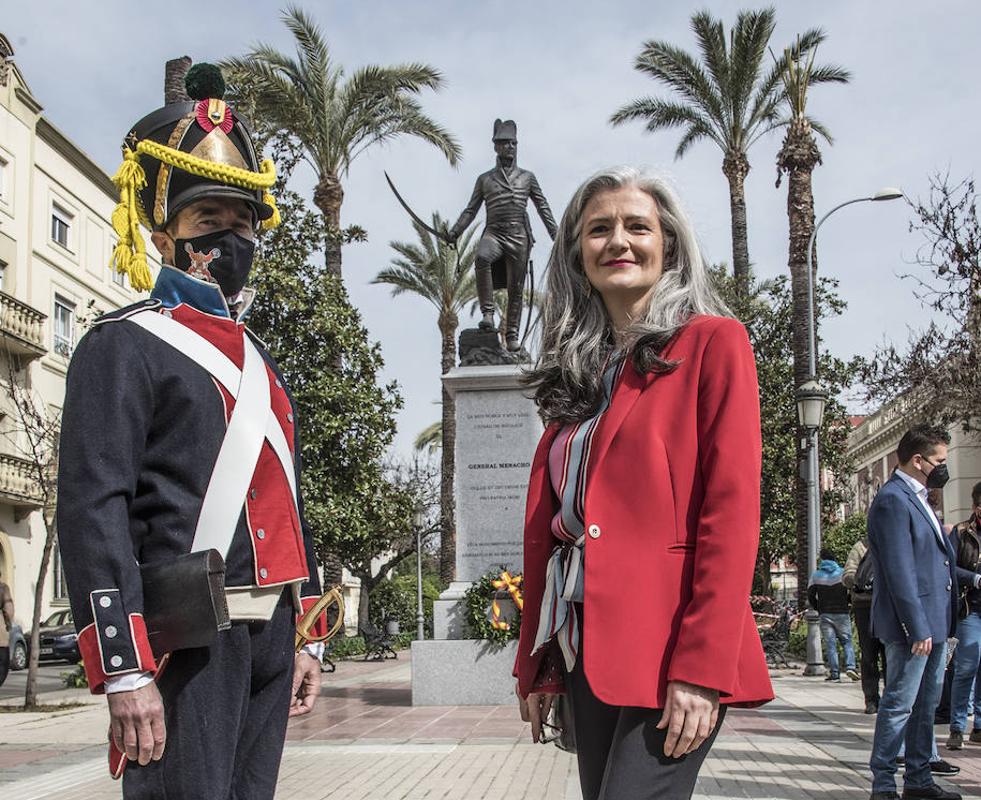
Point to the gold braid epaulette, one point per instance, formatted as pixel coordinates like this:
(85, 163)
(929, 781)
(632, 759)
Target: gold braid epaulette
(129, 256)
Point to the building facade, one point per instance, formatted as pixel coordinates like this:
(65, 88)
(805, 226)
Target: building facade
(872, 447)
(55, 244)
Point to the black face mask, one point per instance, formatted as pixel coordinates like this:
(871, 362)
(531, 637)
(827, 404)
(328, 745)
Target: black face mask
(222, 257)
(938, 477)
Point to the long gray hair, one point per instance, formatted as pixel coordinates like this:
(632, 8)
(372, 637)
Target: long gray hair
(577, 335)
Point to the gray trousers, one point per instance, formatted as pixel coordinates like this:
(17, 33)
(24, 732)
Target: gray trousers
(621, 752)
(226, 708)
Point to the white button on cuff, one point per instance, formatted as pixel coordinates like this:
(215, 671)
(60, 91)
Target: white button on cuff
(105, 602)
(111, 632)
(116, 661)
(594, 531)
(289, 417)
(260, 534)
(263, 573)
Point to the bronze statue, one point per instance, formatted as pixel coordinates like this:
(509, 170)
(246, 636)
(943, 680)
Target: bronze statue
(504, 247)
(505, 244)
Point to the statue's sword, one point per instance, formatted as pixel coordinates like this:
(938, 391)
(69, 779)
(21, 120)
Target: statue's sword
(415, 217)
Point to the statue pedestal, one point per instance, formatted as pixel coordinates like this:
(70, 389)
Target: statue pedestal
(497, 431)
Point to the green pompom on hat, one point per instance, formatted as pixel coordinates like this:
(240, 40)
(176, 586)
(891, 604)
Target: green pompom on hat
(204, 82)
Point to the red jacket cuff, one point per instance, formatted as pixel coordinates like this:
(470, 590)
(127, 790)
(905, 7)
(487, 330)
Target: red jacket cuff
(111, 652)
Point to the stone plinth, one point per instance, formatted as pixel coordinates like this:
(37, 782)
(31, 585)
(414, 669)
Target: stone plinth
(462, 672)
(497, 431)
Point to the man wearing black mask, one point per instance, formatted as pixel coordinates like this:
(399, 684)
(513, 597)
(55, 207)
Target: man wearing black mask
(913, 612)
(178, 436)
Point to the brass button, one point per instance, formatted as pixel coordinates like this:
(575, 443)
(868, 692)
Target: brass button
(260, 534)
(111, 632)
(263, 573)
(105, 602)
(252, 494)
(279, 383)
(594, 531)
(289, 417)
(116, 661)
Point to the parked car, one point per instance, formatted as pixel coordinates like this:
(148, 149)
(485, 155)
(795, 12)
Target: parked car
(58, 640)
(18, 648)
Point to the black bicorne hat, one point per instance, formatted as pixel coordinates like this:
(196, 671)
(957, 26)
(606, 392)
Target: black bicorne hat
(506, 130)
(184, 152)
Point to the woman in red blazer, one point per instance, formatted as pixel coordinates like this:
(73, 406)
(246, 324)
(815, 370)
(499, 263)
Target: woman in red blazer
(643, 513)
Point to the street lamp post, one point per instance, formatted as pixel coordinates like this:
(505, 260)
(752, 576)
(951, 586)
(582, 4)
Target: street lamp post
(810, 408)
(420, 612)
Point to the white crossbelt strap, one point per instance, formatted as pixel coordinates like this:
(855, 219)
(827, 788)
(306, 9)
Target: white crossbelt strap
(252, 421)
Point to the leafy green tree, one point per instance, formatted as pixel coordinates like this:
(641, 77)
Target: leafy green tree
(766, 311)
(840, 536)
(347, 420)
(443, 276)
(334, 120)
(724, 95)
(940, 364)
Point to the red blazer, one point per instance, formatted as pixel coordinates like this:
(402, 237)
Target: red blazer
(672, 515)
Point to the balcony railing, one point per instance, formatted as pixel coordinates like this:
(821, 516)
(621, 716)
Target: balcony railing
(18, 483)
(21, 327)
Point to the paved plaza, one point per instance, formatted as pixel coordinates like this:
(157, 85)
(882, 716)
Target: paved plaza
(365, 740)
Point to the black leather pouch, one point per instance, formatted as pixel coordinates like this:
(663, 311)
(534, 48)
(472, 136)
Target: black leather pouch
(184, 601)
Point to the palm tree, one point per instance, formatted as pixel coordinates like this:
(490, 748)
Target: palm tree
(333, 119)
(725, 96)
(798, 157)
(445, 277)
(429, 438)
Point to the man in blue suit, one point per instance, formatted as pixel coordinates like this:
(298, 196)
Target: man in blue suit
(914, 610)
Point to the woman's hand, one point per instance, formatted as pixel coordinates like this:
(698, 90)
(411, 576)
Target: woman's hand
(690, 715)
(534, 710)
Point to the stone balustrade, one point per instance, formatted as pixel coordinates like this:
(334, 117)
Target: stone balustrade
(18, 484)
(22, 327)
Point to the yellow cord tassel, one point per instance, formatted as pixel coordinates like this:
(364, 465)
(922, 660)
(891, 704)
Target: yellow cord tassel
(129, 256)
(275, 219)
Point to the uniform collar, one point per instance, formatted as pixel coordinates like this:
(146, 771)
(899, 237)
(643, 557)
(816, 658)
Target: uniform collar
(174, 286)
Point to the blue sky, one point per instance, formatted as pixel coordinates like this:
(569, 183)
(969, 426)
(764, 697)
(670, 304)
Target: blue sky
(560, 69)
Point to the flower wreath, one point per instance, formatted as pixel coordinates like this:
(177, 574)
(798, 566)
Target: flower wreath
(487, 591)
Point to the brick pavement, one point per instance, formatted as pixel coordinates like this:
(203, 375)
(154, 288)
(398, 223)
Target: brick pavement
(365, 742)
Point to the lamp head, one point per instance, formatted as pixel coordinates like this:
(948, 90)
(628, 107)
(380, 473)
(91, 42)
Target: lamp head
(888, 193)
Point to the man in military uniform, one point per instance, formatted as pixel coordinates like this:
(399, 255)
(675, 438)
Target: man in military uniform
(505, 244)
(178, 435)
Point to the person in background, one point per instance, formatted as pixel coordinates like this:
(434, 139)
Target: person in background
(6, 620)
(828, 596)
(857, 578)
(913, 613)
(966, 541)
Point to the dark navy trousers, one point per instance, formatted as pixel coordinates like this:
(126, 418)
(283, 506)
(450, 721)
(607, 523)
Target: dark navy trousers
(226, 709)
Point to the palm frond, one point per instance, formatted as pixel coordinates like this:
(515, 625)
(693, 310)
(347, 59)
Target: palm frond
(711, 37)
(678, 70)
(750, 37)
